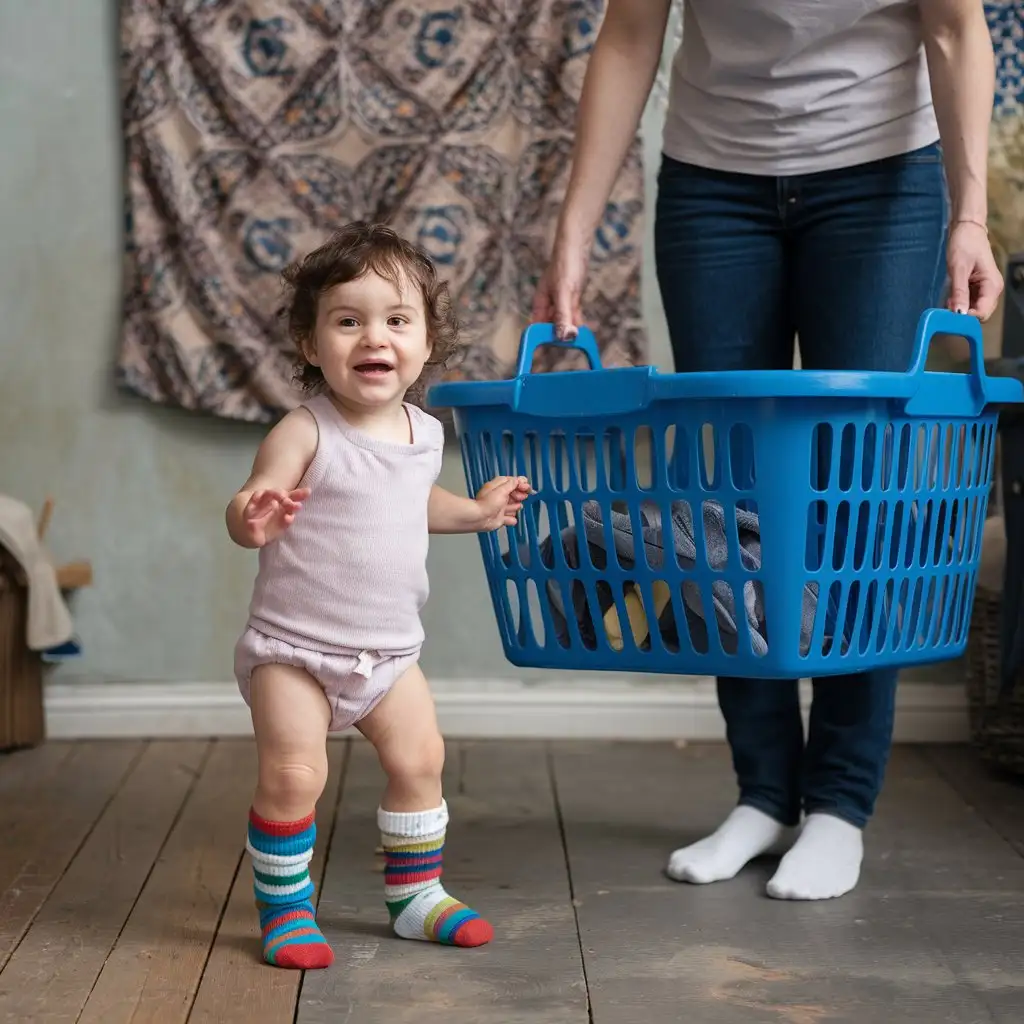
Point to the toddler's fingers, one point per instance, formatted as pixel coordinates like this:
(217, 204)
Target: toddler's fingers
(267, 499)
(300, 494)
(259, 507)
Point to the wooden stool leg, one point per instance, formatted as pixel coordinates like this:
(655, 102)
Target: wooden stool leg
(22, 714)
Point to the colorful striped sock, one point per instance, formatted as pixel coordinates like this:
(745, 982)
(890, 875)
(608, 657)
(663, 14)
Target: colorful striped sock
(281, 852)
(417, 902)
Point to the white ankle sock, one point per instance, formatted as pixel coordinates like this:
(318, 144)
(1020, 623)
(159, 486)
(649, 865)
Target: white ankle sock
(823, 863)
(418, 904)
(744, 835)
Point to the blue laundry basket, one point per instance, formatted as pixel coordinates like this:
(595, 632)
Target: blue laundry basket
(770, 524)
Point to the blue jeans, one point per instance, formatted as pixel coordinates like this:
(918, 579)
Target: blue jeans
(846, 261)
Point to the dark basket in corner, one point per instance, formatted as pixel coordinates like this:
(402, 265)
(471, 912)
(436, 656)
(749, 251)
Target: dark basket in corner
(996, 722)
(22, 718)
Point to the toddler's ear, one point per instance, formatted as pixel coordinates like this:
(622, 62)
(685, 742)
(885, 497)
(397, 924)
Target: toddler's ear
(309, 350)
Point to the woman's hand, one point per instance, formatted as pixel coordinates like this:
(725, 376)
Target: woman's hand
(975, 280)
(560, 290)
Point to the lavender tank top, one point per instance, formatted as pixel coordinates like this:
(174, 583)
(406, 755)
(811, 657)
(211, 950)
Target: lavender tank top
(350, 573)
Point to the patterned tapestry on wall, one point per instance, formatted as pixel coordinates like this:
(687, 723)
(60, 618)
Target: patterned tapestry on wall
(1006, 138)
(253, 129)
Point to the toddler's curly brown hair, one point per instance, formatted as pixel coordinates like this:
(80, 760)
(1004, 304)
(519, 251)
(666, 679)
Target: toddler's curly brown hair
(357, 249)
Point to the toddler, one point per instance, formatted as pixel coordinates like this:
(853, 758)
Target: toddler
(340, 502)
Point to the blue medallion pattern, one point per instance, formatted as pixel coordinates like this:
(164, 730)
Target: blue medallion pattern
(1006, 23)
(254, 130)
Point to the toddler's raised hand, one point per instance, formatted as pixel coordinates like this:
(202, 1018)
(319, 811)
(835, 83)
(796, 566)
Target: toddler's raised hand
(501, 499)
(268, 514)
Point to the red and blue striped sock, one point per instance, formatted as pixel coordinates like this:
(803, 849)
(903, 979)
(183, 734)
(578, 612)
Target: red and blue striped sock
(281, 852)
(417, 902)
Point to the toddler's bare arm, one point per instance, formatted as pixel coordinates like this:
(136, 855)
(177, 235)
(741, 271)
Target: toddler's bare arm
(279, 466)
(497, 505)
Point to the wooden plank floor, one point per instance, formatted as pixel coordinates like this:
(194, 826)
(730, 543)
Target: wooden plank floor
(125, 895)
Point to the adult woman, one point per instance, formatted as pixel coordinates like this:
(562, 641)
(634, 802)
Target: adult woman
(803, 192)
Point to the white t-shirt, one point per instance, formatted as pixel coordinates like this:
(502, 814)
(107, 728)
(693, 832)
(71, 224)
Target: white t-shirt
(782, 87)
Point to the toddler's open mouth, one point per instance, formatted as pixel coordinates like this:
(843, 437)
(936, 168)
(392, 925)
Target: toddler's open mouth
(373, 368)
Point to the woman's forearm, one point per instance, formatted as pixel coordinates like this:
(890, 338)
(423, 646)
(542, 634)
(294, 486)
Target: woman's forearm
(962, 70)
(618, 81)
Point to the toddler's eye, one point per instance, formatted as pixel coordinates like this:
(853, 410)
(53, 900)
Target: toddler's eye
(347, 321)
(396, 321)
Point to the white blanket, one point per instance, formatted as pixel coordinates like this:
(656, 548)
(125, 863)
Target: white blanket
(49, 621)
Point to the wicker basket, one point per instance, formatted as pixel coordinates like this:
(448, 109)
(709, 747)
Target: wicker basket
(996, 722)
(22, 720)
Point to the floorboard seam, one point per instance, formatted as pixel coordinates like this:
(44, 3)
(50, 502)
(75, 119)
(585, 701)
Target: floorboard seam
(196, 775)
(934, 938)
(220, 918)
(936, 765)
(568, 872)
(133, 764)
(213, 935)
(335, 811)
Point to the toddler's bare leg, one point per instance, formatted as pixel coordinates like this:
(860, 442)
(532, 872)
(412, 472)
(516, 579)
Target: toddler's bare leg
(403, 729)
(413, 818)
(290, 717)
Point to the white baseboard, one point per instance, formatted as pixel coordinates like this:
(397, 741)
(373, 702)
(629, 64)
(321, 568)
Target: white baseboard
(589, 709)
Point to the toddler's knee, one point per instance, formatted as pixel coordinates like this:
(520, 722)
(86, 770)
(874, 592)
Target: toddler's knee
(292, 783)
(421, 760)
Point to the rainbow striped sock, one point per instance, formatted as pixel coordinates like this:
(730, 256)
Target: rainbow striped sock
(417, 902)
(281, 852)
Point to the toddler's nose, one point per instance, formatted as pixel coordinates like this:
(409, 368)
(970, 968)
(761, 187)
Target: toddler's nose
(375, 336)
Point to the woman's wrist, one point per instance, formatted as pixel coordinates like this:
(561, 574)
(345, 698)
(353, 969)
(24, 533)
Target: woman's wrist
(573, 233)
(969, 202)
(975, 221)
(968, 191)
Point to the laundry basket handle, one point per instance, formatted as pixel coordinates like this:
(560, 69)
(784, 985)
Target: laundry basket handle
(538, 335)
(960, 325)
